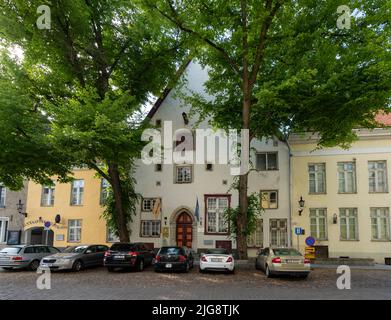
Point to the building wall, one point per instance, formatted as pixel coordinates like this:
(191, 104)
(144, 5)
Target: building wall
(93, 225)
(373, 145)
(9, 211)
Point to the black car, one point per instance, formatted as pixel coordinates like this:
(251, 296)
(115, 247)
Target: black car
(128, 255)
(174, 259)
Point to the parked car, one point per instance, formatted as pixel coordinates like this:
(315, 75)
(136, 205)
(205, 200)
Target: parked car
(217, 260)
(76, 258)
(128, 255)
(24, 256)
(174, 259)
(278, 261)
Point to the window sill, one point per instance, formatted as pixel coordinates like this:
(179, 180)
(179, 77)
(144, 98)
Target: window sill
(375, 240)
(177, 182)
(76, 205)
(378, 192)
(150, 237)
(317, 193)
(349, 240)
(347, 192)
(47, 206)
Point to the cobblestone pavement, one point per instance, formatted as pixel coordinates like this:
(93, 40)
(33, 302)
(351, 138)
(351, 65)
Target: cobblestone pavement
(245, 284)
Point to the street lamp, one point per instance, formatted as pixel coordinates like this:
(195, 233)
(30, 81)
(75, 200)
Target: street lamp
(335, 218)
(301, 205)
(19, 207)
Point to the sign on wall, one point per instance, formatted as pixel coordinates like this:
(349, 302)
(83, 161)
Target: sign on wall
(14, 237)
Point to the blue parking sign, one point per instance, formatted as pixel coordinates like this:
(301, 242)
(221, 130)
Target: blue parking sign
(298, 231)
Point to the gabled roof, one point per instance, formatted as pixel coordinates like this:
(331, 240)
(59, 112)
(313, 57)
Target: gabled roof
(168, 89)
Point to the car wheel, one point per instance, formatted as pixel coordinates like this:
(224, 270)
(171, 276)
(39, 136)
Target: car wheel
(140, 265)
(304, 276)
(267, 272)
(110, 269)
(7, 269)
(34, 265)
(256, 264)
(77, 266)
(187, 267)
(201, 271)
(232, 271)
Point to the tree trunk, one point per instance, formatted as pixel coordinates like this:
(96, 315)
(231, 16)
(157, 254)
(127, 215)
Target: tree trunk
(241, 237)
(123, 231)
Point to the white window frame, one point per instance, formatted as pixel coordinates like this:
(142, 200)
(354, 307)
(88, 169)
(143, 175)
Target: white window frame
(4, 229)
(183, 180)
(50, 197)
(348, 214)
(316, 179)
(281, 232)
(3, 195)
(379, 214)
(77, 192)
(266, 154)
(104, 190)
(345, 171)
(110, 236)
(150, 229)
(376, 171)
(151, 203)
(77, 227)
(255, 240)
(221, 226)
(318, 214)
(268, 192)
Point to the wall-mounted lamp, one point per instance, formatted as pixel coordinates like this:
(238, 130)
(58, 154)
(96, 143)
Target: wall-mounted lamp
(185, 118)
(165, 221)
(335, 218)
(301, 205)
(19, 207)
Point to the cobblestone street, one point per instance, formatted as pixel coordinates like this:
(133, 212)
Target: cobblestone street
(245, 284)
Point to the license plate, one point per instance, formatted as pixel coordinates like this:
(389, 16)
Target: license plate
(292, 261)
(168, 265)
(4, 259)
(119, 257)
(216, 260)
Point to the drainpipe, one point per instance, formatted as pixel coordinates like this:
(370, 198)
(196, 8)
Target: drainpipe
(286, 137)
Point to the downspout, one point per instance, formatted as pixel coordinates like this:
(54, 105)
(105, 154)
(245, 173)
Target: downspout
(286, 140)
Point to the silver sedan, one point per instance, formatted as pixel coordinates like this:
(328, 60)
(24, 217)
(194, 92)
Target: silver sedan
(75, 258)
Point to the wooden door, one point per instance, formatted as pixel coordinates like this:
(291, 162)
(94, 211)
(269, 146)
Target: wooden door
(184, 230)
(224, 244)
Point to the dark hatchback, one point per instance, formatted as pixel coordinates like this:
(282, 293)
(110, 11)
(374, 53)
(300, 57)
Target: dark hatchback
(174, 259)
(128, 256)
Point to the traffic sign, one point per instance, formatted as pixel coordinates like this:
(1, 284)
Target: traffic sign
(309, 249)
(47, 225)
(298, 231)
(310, 241)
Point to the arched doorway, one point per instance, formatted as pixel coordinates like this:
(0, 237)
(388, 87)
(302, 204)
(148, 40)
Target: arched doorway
(39, 236)
(184, 230)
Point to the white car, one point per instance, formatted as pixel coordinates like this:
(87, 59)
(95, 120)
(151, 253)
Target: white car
(217, 260)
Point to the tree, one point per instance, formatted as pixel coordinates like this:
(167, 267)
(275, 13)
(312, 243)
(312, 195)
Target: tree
(278, 66)
(91, 70)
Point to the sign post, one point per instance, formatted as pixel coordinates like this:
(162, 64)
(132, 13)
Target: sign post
(310, 250)
(298, 232)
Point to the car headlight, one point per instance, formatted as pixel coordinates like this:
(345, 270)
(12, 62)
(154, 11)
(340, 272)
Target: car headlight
(63, 261)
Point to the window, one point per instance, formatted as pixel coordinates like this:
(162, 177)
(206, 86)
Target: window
(150, 228)
(74, 230)
(317, 177)
(380, 221)
(104, 190)
(111, 236)
(2, 196)
(256, 238)
(77, 192)
(3, 229)
(147, 204)
(184, 174)
(377, 176)
(267, 161)
(348, 224)
(215, 210)
(278, 232)
(209, 167)
(318, 222)
(347, 177)
(47, 196)
(269, 199)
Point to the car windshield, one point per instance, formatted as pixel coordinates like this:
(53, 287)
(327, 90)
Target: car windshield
(217, 251)
(122, 247)
(172, 250)
(79, 249)
(10, 250)
(286, 252)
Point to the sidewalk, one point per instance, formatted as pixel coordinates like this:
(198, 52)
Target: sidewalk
(375, 267)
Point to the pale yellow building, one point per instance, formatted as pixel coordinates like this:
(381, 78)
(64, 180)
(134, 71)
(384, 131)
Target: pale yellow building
(77, 207)
(346, 193)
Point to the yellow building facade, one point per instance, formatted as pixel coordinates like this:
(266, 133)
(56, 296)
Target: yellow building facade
(346, 195)
(68, 213)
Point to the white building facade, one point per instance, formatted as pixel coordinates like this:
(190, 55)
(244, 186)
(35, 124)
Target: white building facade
(169, 214)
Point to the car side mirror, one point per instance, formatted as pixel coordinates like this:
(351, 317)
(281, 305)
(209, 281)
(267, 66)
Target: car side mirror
(88, 251)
